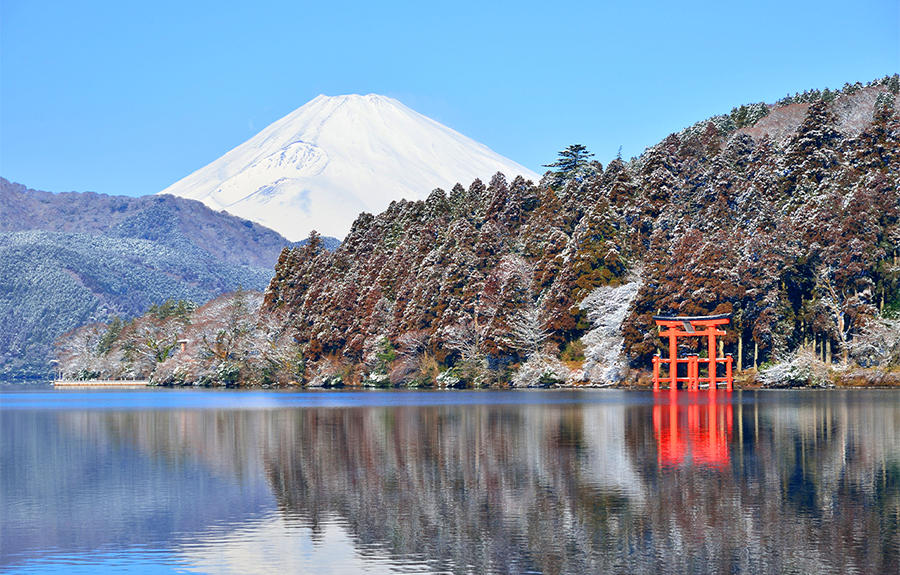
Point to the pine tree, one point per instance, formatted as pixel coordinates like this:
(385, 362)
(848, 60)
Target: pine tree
(571, 160)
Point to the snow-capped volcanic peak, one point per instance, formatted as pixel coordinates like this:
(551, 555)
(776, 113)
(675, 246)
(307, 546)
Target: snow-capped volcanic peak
(323, 164)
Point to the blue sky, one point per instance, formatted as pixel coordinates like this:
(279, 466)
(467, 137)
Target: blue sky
(129, 97)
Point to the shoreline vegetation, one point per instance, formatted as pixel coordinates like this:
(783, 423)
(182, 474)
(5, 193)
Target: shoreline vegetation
(856, 379)
(785, 216)
(852, 378)
(232, 343)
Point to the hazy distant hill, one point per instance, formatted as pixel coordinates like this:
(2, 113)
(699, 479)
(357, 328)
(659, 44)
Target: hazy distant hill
(68, 258)
(164, 218)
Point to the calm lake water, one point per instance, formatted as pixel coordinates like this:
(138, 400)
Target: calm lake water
(449, 482)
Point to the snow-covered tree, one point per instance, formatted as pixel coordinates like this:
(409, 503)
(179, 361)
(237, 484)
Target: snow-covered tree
(572, 158)
(878, 344)
(607, 308)
(529, 331)
(800, 368)
(467, 339)
(573, 163)
(542, 370)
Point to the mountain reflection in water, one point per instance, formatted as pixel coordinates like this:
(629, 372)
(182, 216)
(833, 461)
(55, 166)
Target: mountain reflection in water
(617, 482)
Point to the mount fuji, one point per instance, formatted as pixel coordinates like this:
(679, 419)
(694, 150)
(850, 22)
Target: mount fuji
(323, 164)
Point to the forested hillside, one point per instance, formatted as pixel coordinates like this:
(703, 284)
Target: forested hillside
(786, 216)
(70, 259)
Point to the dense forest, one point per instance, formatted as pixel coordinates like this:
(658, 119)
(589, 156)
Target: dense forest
(786, 216)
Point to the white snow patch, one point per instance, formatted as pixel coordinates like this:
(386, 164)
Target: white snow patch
(607, 307)
(342, 155)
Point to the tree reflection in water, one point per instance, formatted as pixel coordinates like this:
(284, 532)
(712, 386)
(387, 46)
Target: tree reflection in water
(607, 482)
(703, 485)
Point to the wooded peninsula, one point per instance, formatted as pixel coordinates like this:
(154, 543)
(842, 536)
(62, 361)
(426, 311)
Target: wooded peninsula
(785, 215)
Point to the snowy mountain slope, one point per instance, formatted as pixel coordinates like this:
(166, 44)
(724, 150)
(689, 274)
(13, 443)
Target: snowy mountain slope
(323, 164)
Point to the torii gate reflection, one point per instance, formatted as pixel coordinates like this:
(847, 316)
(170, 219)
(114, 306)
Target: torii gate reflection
(689, 426)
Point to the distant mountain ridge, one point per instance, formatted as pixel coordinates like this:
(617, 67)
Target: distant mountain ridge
(71, 258)
(322, 165)
(228, 238)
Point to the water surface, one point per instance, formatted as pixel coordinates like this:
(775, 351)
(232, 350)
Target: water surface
(450, 482)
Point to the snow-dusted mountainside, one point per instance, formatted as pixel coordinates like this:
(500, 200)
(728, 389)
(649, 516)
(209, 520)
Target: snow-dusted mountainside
(320, 166)
(68, 259)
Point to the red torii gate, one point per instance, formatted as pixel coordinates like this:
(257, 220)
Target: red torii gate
(689, 327)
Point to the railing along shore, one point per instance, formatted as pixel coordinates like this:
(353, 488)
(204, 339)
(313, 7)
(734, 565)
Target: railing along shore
(100, 383)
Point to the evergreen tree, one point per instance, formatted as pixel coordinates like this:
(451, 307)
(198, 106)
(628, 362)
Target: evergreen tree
(571, 160)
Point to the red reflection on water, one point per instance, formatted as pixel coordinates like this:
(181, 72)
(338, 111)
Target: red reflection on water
(696, 427)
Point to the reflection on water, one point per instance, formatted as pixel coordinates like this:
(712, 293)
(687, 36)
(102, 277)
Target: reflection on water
(618, 482)
(700, 429)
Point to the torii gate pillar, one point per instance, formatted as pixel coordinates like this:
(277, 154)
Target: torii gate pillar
(689, 327)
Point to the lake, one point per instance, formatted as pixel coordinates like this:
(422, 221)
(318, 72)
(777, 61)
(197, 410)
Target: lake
(548, 481)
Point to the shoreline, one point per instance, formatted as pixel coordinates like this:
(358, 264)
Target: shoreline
(850, 379)
(100, 383)
(586, 388)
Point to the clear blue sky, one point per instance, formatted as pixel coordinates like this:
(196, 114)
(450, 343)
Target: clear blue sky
(129, 97)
